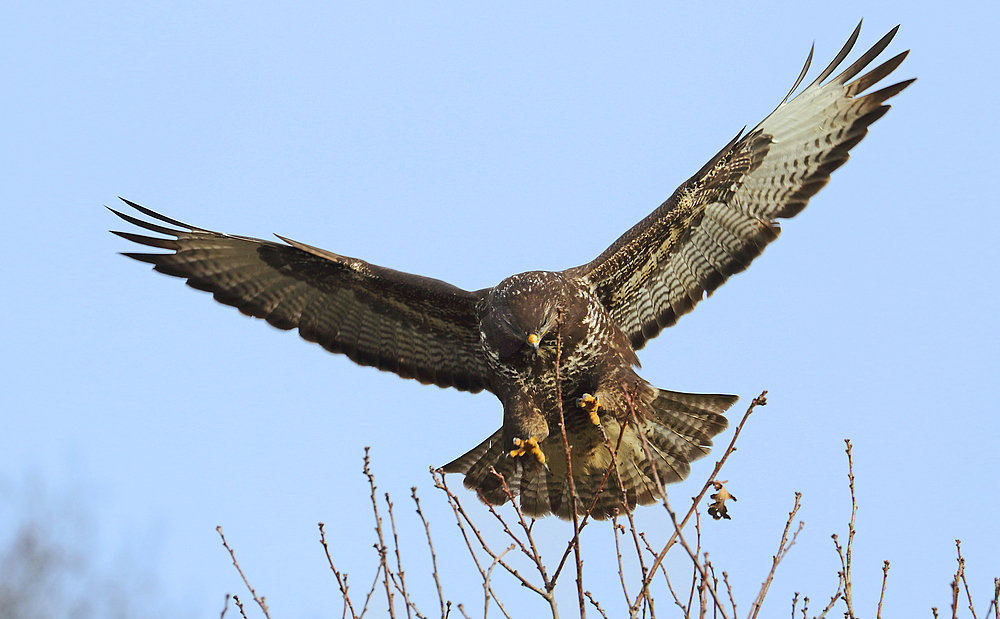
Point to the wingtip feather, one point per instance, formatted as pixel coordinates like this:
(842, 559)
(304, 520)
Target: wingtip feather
(155, 215)
(867, 57)
(839, 58)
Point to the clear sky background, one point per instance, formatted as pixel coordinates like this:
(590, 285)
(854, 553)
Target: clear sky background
(467, 143)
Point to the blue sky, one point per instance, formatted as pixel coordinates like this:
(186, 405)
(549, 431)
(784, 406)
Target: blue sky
(467, 143)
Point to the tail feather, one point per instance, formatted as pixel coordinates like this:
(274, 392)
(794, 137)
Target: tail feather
(678, 429)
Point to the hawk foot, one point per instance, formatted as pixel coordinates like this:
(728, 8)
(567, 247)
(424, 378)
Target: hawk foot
(591, 405)
(528, 446)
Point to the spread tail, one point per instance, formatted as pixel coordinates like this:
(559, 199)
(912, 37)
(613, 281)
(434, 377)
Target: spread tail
(678, 429)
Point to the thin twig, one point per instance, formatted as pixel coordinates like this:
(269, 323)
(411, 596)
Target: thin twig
(460, 516)
(702, 599)
(954, 595)
(341, 578)
(487, 592)
(380, 548)
(596, 605)
(760, 400)
(840, 578)
(695, 566)
(711, 570)
(729, 588)
(569, 475)
(371, 590)
(885, 576)
(533, 553)
(260, 600)
(961, 561)
(401, 586)
(597, 495)
(240, 606)
(430, 544)
(673, 516)
(848, 593)
(618, 551)
(644, 595)
(995, 603)
(666, 577)
(225, 607)
(783, 547)
(649, 549)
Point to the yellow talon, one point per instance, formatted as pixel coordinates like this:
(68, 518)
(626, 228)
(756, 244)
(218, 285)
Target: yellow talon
(590, 404)
(526, 446)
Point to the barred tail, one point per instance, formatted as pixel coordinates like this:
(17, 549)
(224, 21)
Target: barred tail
(678, 429)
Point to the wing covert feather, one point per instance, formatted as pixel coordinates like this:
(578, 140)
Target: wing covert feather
(414, 326)
(723, 217)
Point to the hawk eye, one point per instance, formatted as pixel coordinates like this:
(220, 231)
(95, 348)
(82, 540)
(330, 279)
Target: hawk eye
(506, 338)
(508, 345)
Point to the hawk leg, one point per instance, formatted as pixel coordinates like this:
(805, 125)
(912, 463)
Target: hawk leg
(528, 446)
(591, 405)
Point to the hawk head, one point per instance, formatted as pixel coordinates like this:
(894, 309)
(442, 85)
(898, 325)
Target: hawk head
(521, 314)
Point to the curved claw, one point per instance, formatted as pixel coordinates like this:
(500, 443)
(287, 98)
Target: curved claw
(528, 446)
(591, 405)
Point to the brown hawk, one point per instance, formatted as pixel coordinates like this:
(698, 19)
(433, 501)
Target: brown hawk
(591, 318)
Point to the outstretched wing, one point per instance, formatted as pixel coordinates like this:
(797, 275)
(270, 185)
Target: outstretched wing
(414, 326)
(717, 222)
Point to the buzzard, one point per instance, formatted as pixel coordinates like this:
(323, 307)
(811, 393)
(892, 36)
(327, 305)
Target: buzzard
(558, 345)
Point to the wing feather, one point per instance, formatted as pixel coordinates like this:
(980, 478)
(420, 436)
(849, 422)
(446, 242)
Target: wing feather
(413, 326)
(723, 217)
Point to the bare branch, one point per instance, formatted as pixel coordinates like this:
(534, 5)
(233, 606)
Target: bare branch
(729, 589)
(673, 516)
(848, 594)
(596, 605)
(487, 591)
(954, 593)
(783, 547)
(240, 606)
(961, 572)
(430, 544)
(380, 547)
(341, 578)
(569, 476)
(760, 400)
(840, 578)
(401, 586)
(618, 551)
(597, 495)
(533, 553)
(885, 576)
(260, 600)
(460, 516)
(995, 603)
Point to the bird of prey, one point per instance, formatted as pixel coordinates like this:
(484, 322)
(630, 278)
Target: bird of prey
(554, 345)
